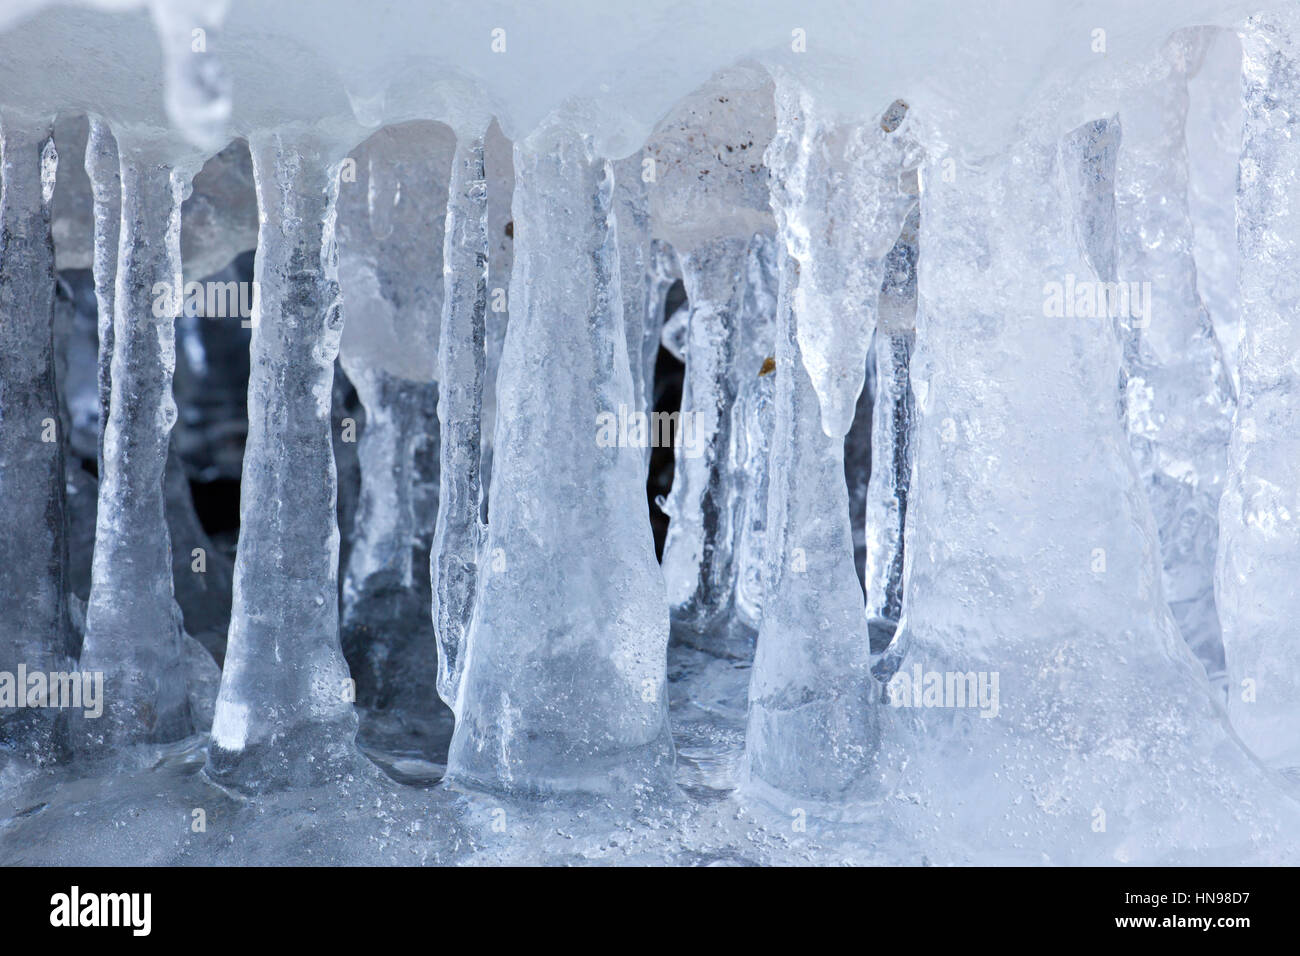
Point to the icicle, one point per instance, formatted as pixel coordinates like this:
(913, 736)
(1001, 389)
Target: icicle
(133, 625)
(846, 210)
(1259, 547)
(35, 632)
(457, 539)
(198, 89)
(698, 551)
(1179, 399)
(892, 421)
(635, 258)
(104, 170)
(813, 726)
(564, 679)
(498, 161)
(390, 237)
(284, 716)
(1032, 566)
(751, 428)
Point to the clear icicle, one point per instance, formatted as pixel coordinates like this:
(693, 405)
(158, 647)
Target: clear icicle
(104, 170)
(698, 550)
(35, 631)
(133, 624)
(813, 724)
(284, 716)
(635, 258)
(846, 209)
(1179, 398)
(892, 420)
(498, 160)
(751, 429)
(198, 89)
(564, 684)
(1259, 544)
(457, 539)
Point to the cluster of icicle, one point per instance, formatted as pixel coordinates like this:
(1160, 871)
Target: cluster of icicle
(905, 462)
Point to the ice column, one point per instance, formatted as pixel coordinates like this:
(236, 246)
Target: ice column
(1047, 708)
(458, 535)
(564, 679)
(698, 550)
(1178, 394)
(284, 716)
(636, 267)
(813, 723)
(133, 624)
(892, 422)
(34, 629)
(812, 700)
(105, 172)
(1259, 547)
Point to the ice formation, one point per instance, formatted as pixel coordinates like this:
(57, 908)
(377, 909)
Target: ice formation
(954, 344)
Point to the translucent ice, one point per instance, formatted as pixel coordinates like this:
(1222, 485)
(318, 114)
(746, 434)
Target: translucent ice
(284, 715)
(564, 681)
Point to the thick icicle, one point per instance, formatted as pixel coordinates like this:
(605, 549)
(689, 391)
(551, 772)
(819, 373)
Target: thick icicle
(892, 420)
(698, 551)
(846, 211)
(284, 716)
(35, 633)
(458, 537)
(1178, 394)
(1259, 547)
(390, 237)
(133, 624)
(636, 268)
(1032, 567)
(498, 162)
(105, 172)
(813, 723)
(751, 429)
(564, 679)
